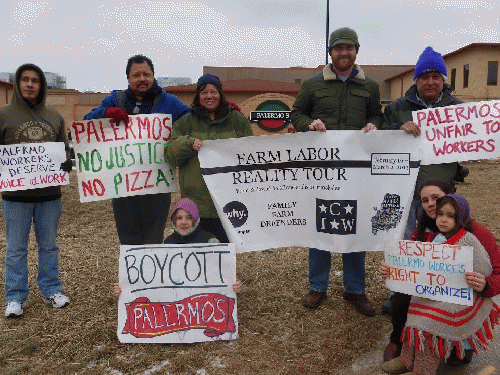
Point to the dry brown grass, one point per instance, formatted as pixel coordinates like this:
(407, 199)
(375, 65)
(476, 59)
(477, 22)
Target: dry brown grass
(277, 335)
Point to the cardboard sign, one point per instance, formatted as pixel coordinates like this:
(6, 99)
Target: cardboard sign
(434, 271)
(32, 166)
(468, 131)
(122, 160)
(177, 293)
(341, 191)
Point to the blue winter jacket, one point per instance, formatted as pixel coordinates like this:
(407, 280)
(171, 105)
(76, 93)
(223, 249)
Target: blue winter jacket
(165, 103)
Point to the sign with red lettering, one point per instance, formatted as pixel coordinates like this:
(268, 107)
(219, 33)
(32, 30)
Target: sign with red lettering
(177, 293)
(430, 270)
(468, 131)
(32, 166)
(117, 160)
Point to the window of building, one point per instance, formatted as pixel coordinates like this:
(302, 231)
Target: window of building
(298, 80)
(466, 76)
(453, 78)
(492, 72)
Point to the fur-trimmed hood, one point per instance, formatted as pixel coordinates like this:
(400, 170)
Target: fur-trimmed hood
(329, 73)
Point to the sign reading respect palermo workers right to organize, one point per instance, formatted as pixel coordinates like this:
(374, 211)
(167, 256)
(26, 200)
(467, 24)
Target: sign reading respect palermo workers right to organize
(467, 131)
(341, 191)
(122, 160)
(429, 270)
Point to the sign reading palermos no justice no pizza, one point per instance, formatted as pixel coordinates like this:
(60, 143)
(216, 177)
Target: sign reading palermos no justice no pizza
(118, 160)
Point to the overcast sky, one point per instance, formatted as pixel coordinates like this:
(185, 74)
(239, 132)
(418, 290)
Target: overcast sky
(89, 41)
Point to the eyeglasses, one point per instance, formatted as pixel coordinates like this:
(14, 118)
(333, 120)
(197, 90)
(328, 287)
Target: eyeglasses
(136, 108)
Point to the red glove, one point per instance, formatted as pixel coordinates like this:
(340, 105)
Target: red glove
(118, 114)
(233, 105)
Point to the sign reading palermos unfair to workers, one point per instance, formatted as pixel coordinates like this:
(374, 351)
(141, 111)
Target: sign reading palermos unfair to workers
(118, 160)
(341, 191)
(32, 165)
(429, 270)
(177, 293)
(468, 131)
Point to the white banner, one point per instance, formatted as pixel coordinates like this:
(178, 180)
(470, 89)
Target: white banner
(32, 165)
(434, 271)
(468, 131)
(341, 191)
(177, 293)
(117, 161)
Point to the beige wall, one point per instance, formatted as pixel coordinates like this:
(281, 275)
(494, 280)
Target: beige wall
(477, 57)
(268, 74)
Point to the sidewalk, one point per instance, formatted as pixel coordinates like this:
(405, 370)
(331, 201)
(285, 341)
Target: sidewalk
(370, 362)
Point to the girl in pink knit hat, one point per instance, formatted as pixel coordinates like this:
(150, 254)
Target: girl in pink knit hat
(186, 220)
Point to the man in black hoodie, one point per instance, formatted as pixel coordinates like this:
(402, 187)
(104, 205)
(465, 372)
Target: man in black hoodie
(27, 120)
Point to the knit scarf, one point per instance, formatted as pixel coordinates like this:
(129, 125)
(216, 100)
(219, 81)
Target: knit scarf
(445, 325)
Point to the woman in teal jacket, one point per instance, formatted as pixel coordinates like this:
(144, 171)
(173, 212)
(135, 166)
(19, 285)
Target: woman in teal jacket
(211, 117)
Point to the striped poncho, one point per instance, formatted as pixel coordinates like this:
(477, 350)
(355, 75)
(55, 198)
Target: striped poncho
(446, 325)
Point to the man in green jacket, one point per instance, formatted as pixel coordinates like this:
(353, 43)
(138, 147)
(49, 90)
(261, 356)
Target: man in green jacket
(341, 97)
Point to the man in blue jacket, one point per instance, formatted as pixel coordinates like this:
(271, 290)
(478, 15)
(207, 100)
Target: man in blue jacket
(140, 219)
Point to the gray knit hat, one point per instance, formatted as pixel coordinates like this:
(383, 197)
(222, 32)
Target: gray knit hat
(344, 35)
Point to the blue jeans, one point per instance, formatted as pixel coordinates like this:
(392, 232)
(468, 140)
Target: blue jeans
(353, 271)
(18, 217)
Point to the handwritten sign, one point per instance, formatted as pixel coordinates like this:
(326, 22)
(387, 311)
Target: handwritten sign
(122, 160)
(177, 293)
(434, 271)
(341, 191)
(468, 131)
(32, 165)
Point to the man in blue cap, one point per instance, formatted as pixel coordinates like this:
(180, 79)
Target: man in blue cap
(429, 91)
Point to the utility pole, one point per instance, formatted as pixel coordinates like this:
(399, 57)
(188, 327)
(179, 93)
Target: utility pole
(327, 29)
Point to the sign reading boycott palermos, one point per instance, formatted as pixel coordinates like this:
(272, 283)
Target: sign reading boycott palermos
(468, 131)
(177, 293)
(341, 191)
(429, 270)
(122, 160)
(32, 165)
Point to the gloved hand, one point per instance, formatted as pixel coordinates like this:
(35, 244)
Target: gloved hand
(233, 105)
(67, 166)
(118, 114)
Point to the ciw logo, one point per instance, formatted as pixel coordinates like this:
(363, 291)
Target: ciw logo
(236, 212)
(336, 216)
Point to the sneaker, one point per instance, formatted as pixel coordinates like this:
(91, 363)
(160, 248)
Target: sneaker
(14, 309)
(314, 299)
(360, 303)
(395, 366)
(57, 300)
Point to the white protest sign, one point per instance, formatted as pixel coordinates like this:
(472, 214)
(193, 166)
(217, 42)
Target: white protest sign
(341, 191)
(177, 293)
(32, 165)
(117, 161)
(434, 271)
(468, 131)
